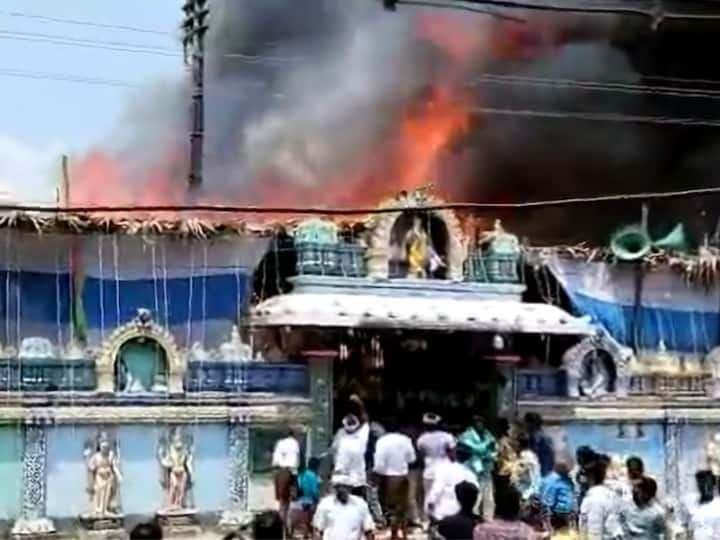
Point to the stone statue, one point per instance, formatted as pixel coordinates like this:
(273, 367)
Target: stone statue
(235, 350)
(596, 380)
(36, 347)
(713, 454)
(103, 467)
(176, 461)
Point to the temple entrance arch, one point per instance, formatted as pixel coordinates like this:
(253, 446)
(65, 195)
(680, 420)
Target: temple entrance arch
(440, 225)
(145, 351)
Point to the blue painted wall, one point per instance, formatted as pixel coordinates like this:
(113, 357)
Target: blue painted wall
(211, 467)
(611, 439)
(10, 471)
(66, 472)
(141, 491)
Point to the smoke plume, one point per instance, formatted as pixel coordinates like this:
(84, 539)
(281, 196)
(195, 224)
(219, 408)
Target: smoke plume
(341, 103)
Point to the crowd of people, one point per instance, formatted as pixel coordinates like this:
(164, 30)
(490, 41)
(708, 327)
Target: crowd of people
(506, 483)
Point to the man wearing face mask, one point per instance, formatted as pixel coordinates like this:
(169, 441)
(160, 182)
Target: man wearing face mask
(341, 515)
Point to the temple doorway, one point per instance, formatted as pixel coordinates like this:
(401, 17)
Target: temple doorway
(431, 372)
(141, 366)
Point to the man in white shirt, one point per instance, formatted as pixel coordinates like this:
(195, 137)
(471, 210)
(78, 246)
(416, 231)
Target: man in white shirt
(343, 516)
(350, 448)
(432, 447)
(441, 501)
(704, 515)
(394, 453)
(285, 461)
(600, 509)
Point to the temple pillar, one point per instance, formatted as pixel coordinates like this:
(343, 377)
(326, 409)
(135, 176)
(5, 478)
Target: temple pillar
(33, 520)
(506, 398)
(320, 364)
(672, 461)
(237, 512)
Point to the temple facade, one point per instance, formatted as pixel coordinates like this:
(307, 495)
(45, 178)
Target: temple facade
(130, 388)
(142, 367)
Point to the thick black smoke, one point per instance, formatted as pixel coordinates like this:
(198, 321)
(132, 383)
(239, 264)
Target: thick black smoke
(304, 88)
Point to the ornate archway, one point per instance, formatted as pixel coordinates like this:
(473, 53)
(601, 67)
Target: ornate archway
(381, 227)
(142, 326)
(580, 384)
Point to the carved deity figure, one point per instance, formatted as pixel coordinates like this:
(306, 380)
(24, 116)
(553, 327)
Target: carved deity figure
(176, 462)
(419, 251)
(713, 454)
(103, 468)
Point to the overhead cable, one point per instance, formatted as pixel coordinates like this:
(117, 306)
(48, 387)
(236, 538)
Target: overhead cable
(80, 22)
(479, 207)
(87, 43)
(608, 86)
(22, 74)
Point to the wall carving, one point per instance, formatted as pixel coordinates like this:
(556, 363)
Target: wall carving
(237, 513)
(589, 377)
(379, 237)
(142, 326)
(34, 489)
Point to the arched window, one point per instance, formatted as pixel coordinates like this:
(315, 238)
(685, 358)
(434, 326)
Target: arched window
(141, 366)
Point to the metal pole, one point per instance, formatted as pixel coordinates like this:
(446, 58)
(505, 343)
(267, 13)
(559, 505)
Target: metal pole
(196, 12)
(198, 120)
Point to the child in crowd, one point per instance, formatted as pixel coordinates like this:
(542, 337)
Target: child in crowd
(308, 495)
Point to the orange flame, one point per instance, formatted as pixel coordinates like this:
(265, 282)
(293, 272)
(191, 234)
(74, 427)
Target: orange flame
(409, 158)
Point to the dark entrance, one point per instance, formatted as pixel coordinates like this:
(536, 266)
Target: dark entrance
(448, 374)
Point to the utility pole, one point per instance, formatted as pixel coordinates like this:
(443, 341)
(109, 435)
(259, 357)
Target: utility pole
(194, 29)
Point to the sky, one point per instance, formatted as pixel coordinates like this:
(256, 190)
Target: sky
(42, 118)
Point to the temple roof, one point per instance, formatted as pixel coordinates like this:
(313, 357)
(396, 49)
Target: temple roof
(417, 312)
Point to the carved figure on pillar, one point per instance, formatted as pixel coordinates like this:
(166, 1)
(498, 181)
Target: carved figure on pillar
(104, 477)
(175, 454)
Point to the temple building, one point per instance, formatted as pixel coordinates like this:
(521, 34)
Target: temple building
(144, 364)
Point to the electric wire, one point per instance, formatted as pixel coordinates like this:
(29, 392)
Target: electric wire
(600, 117)
(64, 77)
(80, 22)
(232, 209)
(609, 86)
(119, 46)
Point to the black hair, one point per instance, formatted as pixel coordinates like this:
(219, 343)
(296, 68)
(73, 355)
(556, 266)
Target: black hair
(635, 462)
(507, 503)
(462, 453)
(523, 441)
(147, 531)
(502, 427)
(598, 470)
(268, 525)
(648, 486)
(533, 420)
(314, 463)
(706, 483)
(585, 455)
(467, 495)
(233, 536)
(559, 521)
